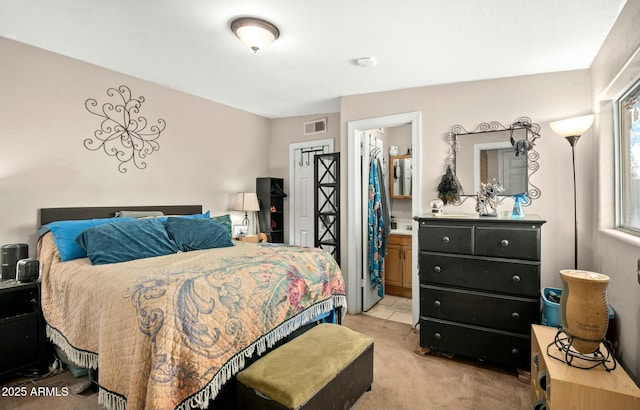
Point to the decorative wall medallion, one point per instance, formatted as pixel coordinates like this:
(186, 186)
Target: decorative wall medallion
(123, 133)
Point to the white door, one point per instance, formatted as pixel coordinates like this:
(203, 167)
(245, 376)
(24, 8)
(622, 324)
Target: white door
(301, 160)
(513, 171)
(369, 295)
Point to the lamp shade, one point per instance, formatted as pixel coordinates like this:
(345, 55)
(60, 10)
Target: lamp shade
(247, 201)
(572, 127)
(255, 33)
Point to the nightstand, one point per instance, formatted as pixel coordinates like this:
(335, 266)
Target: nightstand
(23, 343)
(252, 238)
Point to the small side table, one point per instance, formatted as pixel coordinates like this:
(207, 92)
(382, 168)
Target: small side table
(252, 238)
(23, 343)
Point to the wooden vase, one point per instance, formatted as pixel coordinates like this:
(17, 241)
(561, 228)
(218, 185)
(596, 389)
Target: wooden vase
(584, 309)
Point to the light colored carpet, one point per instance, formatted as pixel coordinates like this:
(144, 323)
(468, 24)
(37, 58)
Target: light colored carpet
(402, 379)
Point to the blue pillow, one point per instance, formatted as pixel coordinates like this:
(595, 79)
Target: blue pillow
(194, 216)
(197, 234)
(126, 240)
(65, 234)
(225, 220)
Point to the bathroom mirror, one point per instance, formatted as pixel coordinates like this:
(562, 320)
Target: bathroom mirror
(493, 151)
(400, 176)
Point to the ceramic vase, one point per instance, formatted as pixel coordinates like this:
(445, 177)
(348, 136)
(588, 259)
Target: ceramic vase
(584, 310)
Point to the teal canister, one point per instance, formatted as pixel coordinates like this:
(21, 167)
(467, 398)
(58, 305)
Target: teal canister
(517, 212)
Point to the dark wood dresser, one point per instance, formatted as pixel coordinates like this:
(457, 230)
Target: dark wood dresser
(479, 286)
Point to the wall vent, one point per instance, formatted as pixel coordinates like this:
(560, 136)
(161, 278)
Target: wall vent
(315, 126)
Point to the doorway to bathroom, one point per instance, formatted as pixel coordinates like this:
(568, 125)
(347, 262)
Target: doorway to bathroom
(359, 284)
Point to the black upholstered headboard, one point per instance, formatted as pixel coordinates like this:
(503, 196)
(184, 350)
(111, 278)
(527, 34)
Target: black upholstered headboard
(64, 214)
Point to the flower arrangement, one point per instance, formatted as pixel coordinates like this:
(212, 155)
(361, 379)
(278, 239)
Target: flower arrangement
(487, 198)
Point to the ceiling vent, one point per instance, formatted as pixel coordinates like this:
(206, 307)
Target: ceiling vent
(315, 127)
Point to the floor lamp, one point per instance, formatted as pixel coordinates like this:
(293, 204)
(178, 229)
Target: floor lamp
(572, 129)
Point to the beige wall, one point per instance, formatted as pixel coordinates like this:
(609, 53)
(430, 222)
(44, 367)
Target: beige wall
(207, 152)
(611, 252)
(285, 131)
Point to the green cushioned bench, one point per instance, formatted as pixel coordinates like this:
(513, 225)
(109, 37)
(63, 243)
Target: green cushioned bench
(327, 367)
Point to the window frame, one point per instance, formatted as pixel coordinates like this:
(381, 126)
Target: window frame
(621, 143)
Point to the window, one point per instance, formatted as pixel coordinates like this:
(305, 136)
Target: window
(628, 188)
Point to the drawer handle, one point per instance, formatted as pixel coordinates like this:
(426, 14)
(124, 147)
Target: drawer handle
(504, 243)
(437, 336)
(515, 352)
(515, 278)
(436, 303)
(515, 315)
(437, 269)
(446, 239)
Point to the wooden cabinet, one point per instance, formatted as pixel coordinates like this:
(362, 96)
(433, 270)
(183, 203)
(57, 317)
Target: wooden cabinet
(271, 195)
(397, 266)
(479, 286)
(558, 386)
(252, 238)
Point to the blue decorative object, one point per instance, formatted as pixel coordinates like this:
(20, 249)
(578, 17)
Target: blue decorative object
(517, 212)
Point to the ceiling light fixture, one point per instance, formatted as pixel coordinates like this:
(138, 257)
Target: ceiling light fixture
(256, 33)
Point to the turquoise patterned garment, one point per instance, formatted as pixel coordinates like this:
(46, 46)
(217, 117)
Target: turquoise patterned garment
(376, 230)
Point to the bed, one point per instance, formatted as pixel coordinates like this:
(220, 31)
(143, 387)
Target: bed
(168, 331)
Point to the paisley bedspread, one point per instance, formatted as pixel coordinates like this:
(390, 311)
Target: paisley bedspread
(167, 332)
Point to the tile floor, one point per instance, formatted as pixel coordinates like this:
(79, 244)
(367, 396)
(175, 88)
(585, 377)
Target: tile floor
(395, 308)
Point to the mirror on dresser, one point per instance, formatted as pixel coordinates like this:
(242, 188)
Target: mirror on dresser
(400, 176)
(494, 151)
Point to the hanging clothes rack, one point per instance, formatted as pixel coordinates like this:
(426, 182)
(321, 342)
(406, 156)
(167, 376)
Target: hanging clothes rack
(374, 150)
(308, 152)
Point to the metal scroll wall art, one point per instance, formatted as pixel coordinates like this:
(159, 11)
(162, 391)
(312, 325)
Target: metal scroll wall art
(522, 146)
(123, 133)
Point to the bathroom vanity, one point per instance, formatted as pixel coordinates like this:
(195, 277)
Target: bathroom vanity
(397, 265)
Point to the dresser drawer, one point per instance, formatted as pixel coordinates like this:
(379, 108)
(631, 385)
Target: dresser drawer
(449, 239)
(511, 314)
(514, 243)
(500, 276)
(495, 346)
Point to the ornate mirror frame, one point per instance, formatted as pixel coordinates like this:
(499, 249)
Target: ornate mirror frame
(522, 123)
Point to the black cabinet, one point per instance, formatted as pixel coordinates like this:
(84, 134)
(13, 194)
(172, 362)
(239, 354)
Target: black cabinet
(479, 286)
(23, 344)
(271, 197)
